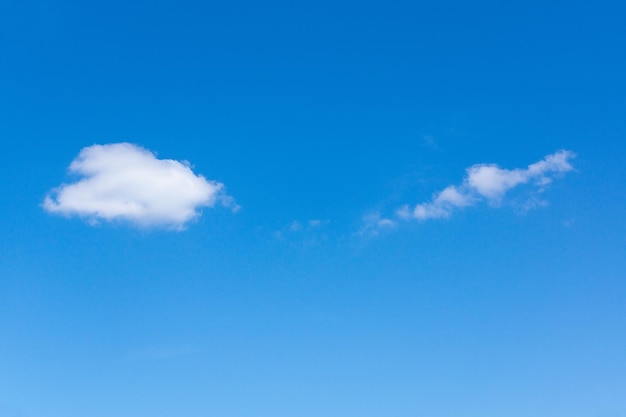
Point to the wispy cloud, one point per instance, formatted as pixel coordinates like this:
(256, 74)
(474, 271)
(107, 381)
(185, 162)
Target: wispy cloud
(428, 141)
(122, 181)
(308, 232)
(374, 223)
(482, 183)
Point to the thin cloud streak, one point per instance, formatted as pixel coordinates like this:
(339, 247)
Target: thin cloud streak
(489, 182)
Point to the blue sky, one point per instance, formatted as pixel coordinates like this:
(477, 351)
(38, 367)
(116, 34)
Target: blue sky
(319, 209)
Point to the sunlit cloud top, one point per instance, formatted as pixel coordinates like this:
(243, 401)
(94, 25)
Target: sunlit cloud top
(126, 182)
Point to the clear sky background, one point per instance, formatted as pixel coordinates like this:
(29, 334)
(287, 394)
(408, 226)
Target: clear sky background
(303, 291)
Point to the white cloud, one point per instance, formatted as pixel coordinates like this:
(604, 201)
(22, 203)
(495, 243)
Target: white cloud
(491, 183)
(442, 204)
(122, 181)
(374, 223)
(308, 232)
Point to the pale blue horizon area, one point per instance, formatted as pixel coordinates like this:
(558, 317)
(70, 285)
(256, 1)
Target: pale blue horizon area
(317, 117)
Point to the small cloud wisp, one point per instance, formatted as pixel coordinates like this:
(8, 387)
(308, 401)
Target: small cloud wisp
(126, 182)
(488, 182)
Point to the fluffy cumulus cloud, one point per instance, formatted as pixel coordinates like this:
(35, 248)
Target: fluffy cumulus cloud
(489, 182)
(122, 181)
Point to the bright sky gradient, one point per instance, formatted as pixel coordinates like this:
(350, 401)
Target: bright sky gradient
(323, 209)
